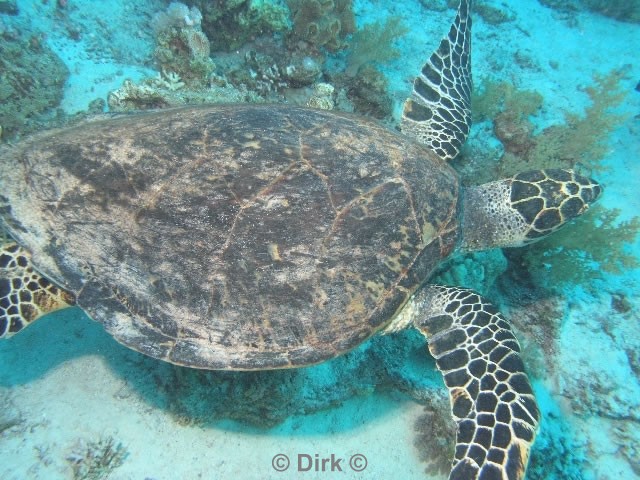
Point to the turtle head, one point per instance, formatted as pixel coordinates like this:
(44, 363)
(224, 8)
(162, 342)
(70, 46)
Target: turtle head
(524, 208)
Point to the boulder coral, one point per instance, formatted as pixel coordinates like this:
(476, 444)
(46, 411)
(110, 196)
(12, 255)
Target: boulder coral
(322, 23)
(181, 46)
(230, 24)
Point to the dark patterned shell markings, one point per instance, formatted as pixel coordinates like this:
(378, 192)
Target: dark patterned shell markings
(233, 237)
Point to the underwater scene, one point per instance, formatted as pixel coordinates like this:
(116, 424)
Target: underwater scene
(556, 85)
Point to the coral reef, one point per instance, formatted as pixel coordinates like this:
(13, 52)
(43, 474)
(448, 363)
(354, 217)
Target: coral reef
(597, 241)
(95, 460)
(260, 73)
(393, 363)
(176, 15)
(322, 97)
(263, 398)
(229, 24)
(492, 98)
(269, 73)
(302, 70)
(181, 46)
(322, 23)
(32, 79)
(555, 454)
(476, 270)
(168, 90)
(580, 140)
(583, 138)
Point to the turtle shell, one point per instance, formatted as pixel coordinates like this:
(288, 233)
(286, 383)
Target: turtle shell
(233, 236)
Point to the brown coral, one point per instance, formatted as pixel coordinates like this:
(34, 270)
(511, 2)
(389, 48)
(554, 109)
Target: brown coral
(198, 43)
(322, 23)
(185, 51)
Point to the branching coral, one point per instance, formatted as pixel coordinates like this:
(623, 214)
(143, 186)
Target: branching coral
(96, 460)
(322, 23)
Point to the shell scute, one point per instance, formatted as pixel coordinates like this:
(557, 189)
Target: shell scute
(237, 237)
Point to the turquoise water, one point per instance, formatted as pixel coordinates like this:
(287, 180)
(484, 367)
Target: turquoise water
(71, 394)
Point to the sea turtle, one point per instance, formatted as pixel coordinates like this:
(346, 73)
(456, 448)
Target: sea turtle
(249, 237)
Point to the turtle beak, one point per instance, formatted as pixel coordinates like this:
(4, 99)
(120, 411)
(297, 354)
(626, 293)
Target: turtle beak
(584, 191)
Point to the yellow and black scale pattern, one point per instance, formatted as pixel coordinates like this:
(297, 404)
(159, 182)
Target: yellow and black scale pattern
(24, 294)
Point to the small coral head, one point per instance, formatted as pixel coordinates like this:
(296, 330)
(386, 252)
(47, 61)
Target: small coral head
(548, 199)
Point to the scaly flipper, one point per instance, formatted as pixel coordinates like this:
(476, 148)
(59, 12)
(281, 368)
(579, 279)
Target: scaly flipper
(438, 113)
(25, 296)
(491, 397)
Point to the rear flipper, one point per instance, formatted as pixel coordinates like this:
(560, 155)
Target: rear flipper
(25, 296)
(491, 398)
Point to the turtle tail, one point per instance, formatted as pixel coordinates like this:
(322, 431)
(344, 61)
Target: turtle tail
(25, 295)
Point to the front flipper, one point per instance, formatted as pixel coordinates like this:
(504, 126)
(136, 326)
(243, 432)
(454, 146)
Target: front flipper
(491, 397)
(438, 112)
(25, 296)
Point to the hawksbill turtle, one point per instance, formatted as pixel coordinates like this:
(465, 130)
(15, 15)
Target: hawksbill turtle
(249, 237)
